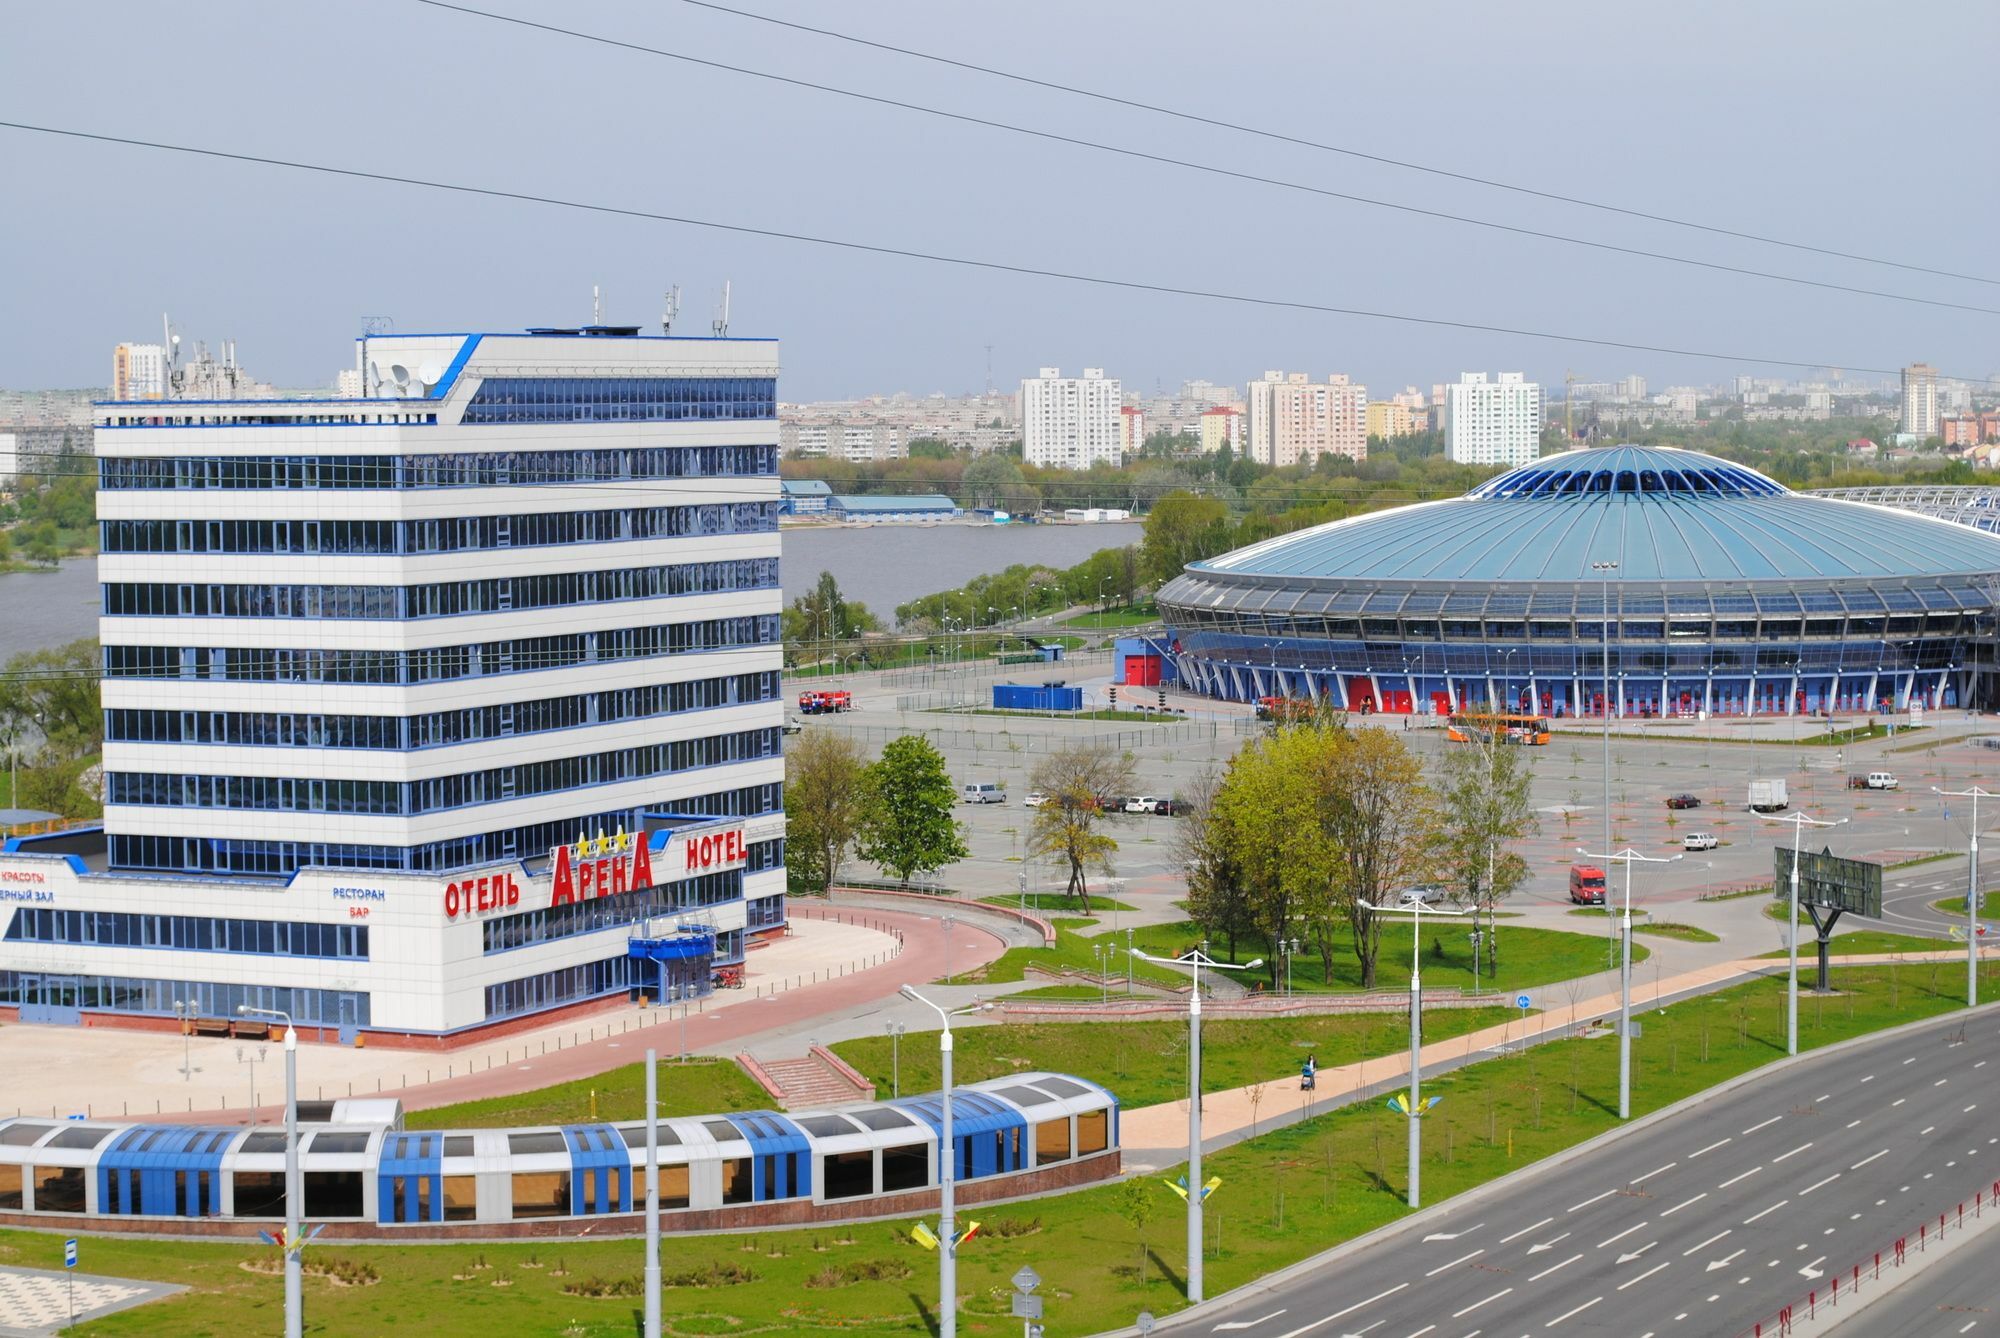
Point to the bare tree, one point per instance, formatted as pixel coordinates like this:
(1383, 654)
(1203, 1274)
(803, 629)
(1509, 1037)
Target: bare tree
(1076, 779)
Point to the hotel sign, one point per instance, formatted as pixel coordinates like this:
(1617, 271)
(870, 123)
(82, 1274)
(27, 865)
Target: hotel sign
(603, 866)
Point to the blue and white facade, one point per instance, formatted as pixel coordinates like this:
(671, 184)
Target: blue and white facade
(369, 664)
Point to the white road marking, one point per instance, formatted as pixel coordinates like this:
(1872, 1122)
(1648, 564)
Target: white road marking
(1823, 1096)
(1453, 1235)
(1755, 1127)
(1980, 1065)
(1767, 1212)
(1745, 1176)
(1714, 1264)
(1548, 1244)
(1711, 1147)
(1813, 1269)
(1926, 1129)
(1705, 1244)
(1522, 1232)
(1421, 1332)
(1852, 1123)
(1454, 1263)
(1620, 1236)
(1970, 1324)
(1545, 1272)
(1897, 1102)
(1817, 1183)
(1940, 1082)
(1911, 1060)
(1969, 1109)
(1869, 1078)
(1567, 1313)
(1476, 1304)
(1308, 1328)
(1643, 1276)
(1793, 1153)
(1598, 1198)
(1245, 1323)
(1657, 1169)
(1630, 1255)
(1684, 1203)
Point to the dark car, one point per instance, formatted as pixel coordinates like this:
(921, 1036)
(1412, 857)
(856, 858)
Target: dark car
(1683, 801)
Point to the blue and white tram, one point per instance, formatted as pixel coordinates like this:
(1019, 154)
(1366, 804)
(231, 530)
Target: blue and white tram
(363, 1174)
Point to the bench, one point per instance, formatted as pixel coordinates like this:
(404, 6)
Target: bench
(253, 1031)
(211, 1026)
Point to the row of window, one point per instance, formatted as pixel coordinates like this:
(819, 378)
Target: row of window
(463, 469)
(435, 728)
(550, 923)
(128, 994)
(570, 984)
(191, 933)
(438, 599)
(285, 794)
(1586, 660)
(238, 664)
(203, 854)
(1225, 622)
(466, 533)
(620, 399)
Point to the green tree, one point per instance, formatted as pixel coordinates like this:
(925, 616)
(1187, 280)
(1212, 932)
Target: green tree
(930, 448)
(1485, 802)
(1075, 777)
(995, 480)
(1136, 1205)
(1182, 528)
(1217, 899)
(51, 695)
(826, 803)
(911, 826)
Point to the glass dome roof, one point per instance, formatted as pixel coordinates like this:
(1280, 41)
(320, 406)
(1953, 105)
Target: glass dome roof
(1630, 469)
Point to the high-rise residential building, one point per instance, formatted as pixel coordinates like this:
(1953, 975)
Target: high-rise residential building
(1632, 389)
(138, 372)
(1222, 426)
(1388, 419)
(1493, 422)
(1131, 431)
(419, 709)
(1294, 419)
(1919, 417)
(1071, 422)
(1208, 393)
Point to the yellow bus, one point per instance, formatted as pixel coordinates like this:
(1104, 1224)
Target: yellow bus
(1530, 729)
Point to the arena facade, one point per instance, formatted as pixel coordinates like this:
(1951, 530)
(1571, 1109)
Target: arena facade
(1707, 586)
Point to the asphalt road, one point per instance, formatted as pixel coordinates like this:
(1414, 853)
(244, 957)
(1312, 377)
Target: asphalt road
(1956, 1295)
(1700, 1225)
(1907, 897)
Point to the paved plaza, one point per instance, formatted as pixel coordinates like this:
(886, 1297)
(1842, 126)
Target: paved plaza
(37, 1303)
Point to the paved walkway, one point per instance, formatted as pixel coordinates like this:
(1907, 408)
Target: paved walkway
(1154, 1137)
(38, 1303)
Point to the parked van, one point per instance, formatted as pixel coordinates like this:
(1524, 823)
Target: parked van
(1700, 841)
(1883, 780)
(1769, 796)
(1586, 884)
(982, 792)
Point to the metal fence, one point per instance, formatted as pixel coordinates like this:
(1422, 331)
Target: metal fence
(1008, 734)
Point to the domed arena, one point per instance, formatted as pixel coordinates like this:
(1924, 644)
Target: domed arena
(1645, 581)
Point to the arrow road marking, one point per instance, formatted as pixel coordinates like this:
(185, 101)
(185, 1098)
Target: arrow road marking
(1813, 1269)
(1643, 1276)
(1548, 1244)
(1705, 1244)
(1723, 1263)
(1245, 1323)
(1545, 1272)
(1526, 1229)
(1454, 1263)
(1452, 1235)
(1308, 1328)
(1630, 1255)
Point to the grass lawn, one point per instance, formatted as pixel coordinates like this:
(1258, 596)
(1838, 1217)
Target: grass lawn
(698, 1087)
(1072, 952)
(1087, 993)
(1284, 1196)
(1133, 617)
(1643, 923)
(1988, 905)
(1058, 901)
(1528, 957)
(1865, 940)
(1145, 1063)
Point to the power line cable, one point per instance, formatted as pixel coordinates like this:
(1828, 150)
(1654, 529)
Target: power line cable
(941, 258)
(1344, 150)
(1166, 160)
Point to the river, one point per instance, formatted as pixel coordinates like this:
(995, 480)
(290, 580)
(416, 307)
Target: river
(880, 565)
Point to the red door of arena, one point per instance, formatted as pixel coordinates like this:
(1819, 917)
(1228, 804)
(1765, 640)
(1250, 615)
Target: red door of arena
(1142, 671)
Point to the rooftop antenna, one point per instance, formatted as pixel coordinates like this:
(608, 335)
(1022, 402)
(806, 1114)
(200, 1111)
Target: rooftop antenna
(721, 324)
(596, 305)
(672, 310)
(171, 345)
(989, 370)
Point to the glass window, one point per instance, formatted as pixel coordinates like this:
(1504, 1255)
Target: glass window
(260, 1193)
(1051, 1141)
(673, 1185)
(13, 1179)
(541, 1194)
(907, 1167)
(736, 1180)
(1093, 1131)
(847, 1175)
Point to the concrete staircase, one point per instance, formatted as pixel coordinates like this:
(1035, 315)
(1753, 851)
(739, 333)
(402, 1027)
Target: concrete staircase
(818, 1080)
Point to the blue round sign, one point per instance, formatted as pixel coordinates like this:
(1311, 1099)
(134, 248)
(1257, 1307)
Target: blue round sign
(1521, 1001)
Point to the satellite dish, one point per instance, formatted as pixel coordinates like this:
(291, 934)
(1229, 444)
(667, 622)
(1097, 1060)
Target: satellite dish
(399, 374)
(430, 374)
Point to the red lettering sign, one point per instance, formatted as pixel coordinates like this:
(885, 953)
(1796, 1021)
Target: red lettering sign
(576, 878)
(716, 848)
(493, 892)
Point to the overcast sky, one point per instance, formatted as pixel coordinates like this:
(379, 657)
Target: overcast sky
(1846, 124)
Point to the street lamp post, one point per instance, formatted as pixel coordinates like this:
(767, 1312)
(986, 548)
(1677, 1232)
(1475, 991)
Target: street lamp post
(947, 1175)
(652, 1272)
(1604, 570)
(185, 1011)
(1799, 823)
(1416, 910)
(294, 1292)
(1975, 794)
(1196, 958)
(1628, 857)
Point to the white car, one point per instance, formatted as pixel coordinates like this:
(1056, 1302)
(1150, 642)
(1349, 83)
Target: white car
(1430, 894)
(1700, 841)
(1035, 799)
(1142, 803)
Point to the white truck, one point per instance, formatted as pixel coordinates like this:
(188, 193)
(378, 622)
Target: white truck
(1768, 796)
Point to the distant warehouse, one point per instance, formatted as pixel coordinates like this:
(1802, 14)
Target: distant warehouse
(891, 507)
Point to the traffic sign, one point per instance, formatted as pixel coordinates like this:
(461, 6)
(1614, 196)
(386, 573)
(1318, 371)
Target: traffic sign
(1027, 1279)
(1027, 1307)
(1146, 1321)
(1522, 1001)
(69, 1254)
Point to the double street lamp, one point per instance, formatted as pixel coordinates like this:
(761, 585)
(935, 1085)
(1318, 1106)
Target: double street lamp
(947, 1232)
(1628, 857)
(1975, 794)
(1196, 958)
(1416, 910)
(1799, 823)
(293, 1246)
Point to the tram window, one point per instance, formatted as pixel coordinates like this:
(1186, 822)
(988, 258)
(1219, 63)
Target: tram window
(1051, 1141)
(736, 1180)
(1093, 1131)
(848, 1175)
(541, 1194)
(907, 1167)
(58, 1189)
(260, 1194)
(461, 1197)
(333, 1194)
(673, 1185)
(12, 1178)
